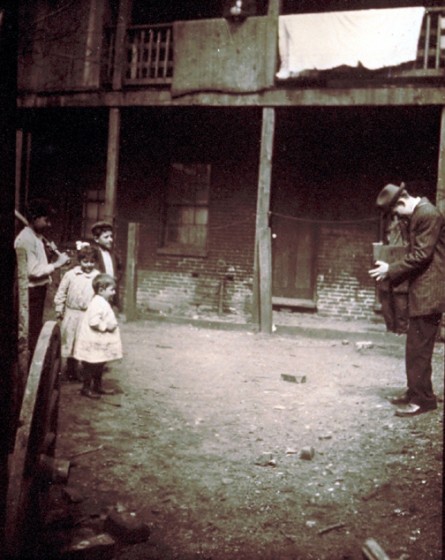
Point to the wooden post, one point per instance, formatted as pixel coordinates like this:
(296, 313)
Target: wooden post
(119, 44)
(265, 278)
(440, 194)
(8, 324)
(22, 299)
(27, 165)
(262, 293)
(130, 297)
(112, 164)
(274, 9)
(18, 166)
(91, 68)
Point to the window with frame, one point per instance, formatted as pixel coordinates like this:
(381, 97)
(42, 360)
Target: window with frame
(187, 209)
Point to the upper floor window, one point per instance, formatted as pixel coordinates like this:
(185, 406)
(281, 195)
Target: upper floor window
(187, 209)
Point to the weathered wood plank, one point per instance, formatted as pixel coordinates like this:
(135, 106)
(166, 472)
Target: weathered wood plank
(353, 96)
(262, 297)
(217, 55)
(112, 164)
(265, 279)
(440, 194)
(130, 297)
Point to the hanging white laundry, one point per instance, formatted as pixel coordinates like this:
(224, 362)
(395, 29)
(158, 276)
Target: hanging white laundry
(373, 38)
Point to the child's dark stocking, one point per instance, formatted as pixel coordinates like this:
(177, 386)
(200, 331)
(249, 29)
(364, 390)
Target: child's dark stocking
(97, 381)
(72, 370)
(88, 373)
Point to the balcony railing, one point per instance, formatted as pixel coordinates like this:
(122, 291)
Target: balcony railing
(148, 56)
(431, 51)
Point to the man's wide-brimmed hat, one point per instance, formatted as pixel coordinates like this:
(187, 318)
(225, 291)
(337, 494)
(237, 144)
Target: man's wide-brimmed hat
(388, 197)
(102, 225)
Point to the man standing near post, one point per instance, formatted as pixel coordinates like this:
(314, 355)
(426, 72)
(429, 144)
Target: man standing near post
(424, 268)
(32, 240)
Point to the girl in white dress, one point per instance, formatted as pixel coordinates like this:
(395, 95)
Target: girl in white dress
(99, 339)
(73, 295)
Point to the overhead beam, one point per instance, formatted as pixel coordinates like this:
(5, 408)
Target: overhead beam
(279, 97)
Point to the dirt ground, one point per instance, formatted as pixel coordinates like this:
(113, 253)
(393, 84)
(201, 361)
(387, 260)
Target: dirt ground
(203, 442)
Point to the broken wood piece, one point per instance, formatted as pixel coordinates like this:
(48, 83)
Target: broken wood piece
(93, 450)
(373, 551)
(331, 528)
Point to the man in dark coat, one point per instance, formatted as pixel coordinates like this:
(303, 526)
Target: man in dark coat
(424, 268)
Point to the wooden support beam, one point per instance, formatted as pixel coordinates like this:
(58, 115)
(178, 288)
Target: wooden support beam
(440, 194)
(262, 294)
(91, 68)
(18, 166)
(8, 321)
(112, 164)
(130, 298)
(119, 45)
(274, 9)
(265, 279)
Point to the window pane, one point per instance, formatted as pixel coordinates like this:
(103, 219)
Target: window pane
(201, 216)
(187, 199)
(187, 216)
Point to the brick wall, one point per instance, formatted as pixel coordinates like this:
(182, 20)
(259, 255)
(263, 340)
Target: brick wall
(344, 289)
(221, 281)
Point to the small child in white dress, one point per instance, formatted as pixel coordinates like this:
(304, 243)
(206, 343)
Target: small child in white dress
(73, 295)
(99, 339)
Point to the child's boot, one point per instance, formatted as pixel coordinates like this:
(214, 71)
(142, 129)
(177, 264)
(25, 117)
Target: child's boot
(98, 388)
(86, 388)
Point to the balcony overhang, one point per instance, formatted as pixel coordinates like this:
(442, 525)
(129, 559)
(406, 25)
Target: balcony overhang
(409, 95)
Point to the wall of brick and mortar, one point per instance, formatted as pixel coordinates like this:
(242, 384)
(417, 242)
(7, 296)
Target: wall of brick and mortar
(222, 280)
(344, 289)
(188, 286)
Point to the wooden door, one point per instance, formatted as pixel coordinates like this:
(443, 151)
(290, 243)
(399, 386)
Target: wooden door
(293, 259)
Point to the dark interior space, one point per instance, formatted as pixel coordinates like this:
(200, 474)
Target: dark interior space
(153, 11)
(68, 157)
(336, 160)
(328, 163)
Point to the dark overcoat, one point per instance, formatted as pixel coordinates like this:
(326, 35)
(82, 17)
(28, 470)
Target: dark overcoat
(117, 266)
(424, 263)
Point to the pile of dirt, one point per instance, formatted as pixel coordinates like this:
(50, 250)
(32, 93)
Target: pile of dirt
(232, 444)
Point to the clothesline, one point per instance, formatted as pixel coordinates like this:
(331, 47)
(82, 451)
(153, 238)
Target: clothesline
(321, 221)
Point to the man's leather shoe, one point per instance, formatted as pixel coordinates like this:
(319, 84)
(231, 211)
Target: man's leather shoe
(412, 410)
(88, 393)
(102, 391)
(401, 399)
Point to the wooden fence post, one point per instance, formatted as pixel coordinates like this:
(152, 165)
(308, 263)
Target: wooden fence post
(130, 296)
(262, 291)
(265, 279)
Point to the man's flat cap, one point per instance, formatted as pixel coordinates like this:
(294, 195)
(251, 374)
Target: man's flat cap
(101, 225)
